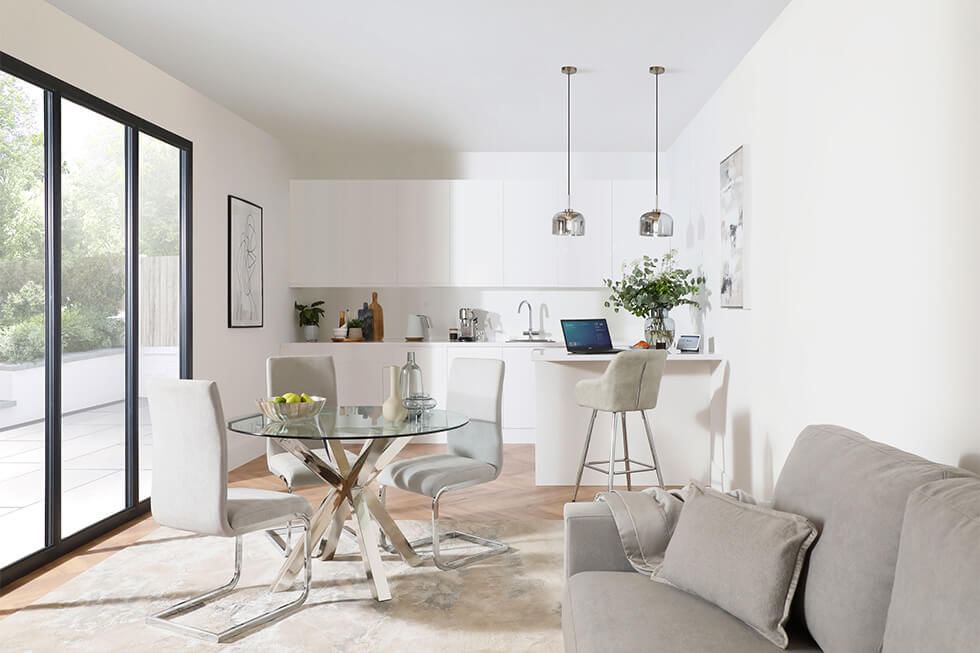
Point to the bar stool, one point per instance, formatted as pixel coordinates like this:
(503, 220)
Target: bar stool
(630, 383)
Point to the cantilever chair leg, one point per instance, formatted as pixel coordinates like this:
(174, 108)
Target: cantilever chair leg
(163, 618)
(493, 546)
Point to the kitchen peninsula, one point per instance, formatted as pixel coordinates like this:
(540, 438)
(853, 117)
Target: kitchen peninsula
(687, 423)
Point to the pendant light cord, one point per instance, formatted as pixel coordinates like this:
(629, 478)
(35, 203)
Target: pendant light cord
(656, 141)
(568, 142)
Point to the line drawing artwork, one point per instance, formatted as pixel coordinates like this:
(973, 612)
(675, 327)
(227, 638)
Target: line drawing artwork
(245, 262)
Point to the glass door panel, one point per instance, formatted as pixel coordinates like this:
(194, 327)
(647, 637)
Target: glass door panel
(93, 319)
(22, 294)
(159, 282)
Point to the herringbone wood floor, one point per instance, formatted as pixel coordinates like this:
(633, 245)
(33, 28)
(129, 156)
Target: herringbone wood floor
(512, 496)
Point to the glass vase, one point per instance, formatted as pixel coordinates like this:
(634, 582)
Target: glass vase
(658, 330)
(411, 379)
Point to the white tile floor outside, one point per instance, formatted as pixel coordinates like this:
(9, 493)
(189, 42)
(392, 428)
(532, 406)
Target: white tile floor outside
(92, 477)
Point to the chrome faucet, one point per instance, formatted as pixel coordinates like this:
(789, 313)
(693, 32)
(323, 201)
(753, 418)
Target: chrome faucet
(530, 333)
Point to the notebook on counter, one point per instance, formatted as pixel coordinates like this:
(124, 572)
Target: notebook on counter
(587, 337)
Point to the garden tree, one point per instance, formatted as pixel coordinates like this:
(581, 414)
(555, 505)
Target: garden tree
(93, 223)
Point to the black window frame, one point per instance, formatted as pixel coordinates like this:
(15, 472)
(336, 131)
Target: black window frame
(55, 89)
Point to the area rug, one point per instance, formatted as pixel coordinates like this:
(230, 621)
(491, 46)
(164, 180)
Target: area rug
(509, 602)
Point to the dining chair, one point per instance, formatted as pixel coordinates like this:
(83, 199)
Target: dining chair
(190, 493)
(313, 375)
(475, 454)
(631, 383)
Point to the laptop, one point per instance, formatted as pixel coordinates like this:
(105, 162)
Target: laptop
(587, 337)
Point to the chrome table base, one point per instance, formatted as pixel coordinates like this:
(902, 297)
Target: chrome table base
(350, 495)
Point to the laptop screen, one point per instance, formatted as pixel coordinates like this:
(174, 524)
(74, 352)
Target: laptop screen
(585, 335)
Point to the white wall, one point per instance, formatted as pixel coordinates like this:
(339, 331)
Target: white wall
(231, 156)
(860, 121)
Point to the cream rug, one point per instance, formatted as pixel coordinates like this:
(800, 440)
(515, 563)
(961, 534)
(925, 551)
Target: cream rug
(509, 602)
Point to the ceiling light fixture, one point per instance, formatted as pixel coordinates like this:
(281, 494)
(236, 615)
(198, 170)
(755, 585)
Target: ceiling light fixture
(568, 222)
(656, 222)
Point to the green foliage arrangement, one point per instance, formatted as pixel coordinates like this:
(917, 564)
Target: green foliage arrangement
(355, 323)
(309, 315)
(654, 285)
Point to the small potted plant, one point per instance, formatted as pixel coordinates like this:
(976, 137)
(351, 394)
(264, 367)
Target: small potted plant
(650, 290)
(309, 319)
(354, 331)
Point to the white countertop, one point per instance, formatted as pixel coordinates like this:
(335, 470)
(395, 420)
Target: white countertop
(431, 343)
(562, 356)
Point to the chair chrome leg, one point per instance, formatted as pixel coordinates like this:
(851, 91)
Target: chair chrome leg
(585, 454)
(653, 448)
(162, 619)
(282, 542)
(612, 456)
(493, 547)
(382, 538)
(626, 454)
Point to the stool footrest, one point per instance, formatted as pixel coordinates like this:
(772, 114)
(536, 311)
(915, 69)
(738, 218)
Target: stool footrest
(636, 466)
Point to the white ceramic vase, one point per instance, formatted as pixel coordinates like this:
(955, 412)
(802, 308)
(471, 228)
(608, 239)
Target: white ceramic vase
(393, 409)
(311, 333)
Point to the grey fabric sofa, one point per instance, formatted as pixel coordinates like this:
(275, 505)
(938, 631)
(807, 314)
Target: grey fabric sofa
(873, 578)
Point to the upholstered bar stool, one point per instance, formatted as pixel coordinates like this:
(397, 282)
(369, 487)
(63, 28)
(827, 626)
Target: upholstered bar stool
(631, 383)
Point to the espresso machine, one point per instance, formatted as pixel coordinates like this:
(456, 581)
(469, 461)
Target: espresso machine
(467, 325)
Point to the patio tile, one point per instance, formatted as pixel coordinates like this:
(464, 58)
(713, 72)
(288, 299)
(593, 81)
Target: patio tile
(11, 448)
(23, 533)
(29, 432)
(93, 501)
(14, 470)
(106, 458)
(29, 488)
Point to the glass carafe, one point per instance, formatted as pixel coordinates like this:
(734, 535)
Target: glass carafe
(411, 379)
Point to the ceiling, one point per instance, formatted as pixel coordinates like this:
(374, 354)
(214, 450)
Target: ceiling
(429, 75)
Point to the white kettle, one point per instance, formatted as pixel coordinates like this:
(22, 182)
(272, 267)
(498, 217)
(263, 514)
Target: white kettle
(417, 328)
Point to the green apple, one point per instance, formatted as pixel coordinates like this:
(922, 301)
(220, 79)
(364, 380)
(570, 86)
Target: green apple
(278, 400)
(306, 398)
(291, 398)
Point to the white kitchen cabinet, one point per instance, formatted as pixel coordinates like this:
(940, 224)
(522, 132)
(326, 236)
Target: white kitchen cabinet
(630, 200)
(423, 212)
(584, 261)
(530, 251)
(477, 233)
(518, 408)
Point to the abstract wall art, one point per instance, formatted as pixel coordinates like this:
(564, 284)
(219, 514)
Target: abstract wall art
(245, 289)
(733, 232)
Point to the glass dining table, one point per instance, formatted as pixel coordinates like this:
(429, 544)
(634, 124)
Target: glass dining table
(349, 478)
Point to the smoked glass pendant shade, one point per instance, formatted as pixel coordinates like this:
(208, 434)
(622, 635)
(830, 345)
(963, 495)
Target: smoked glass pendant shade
(568, 223)
(656, 223)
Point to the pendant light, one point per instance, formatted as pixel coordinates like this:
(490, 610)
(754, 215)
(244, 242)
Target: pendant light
(568, 222)
(656, 222)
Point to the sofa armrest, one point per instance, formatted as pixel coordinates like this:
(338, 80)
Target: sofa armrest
(591, 540)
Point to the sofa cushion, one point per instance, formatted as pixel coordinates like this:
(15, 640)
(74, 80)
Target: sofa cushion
(626, 612)
(745, 559)
(854, 490)
(935, 604)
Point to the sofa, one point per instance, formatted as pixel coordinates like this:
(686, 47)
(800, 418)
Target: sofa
(895, 568)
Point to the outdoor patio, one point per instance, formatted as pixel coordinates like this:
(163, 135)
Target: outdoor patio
(93, 477)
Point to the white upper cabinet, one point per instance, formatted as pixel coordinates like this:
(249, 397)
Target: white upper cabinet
(484, 233)
(630, 200)
(584, 261)
(424, 215)
(530, 251)
(477, 233)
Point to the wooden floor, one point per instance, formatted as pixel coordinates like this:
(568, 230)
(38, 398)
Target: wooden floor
(512, 496)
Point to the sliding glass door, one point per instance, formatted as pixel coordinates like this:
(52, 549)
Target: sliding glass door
(94, 304)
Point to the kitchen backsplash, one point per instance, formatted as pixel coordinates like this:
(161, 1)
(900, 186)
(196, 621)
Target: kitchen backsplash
(442, 306)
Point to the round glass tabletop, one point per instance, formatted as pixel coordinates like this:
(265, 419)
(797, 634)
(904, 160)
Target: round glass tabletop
(349, 423)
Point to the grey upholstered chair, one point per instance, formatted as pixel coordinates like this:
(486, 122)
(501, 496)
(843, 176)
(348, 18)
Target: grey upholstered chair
(475, 453)
(630, 383)
(313, 375)
(191, 493)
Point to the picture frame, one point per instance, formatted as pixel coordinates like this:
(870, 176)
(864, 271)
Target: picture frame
(246, 270)
(733, 196)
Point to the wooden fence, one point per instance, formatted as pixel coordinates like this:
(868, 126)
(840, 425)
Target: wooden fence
(159, 301)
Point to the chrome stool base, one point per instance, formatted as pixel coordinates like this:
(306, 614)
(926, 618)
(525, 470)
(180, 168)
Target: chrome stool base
(609, 467)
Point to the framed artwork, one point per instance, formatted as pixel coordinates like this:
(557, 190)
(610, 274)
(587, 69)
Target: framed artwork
(733, 234)
(245, 269)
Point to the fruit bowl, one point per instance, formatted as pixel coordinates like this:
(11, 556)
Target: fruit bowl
(285, 412)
